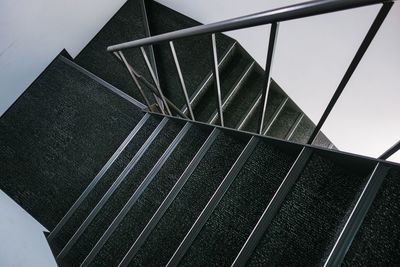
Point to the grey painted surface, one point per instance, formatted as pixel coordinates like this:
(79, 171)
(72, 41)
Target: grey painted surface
(23, 242)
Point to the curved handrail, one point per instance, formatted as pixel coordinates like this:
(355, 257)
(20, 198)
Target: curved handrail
(290, 12)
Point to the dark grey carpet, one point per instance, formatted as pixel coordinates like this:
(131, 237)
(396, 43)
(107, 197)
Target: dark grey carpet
(180, 216)
(56, 137)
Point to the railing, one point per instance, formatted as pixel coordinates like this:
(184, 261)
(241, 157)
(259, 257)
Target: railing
(273, 17)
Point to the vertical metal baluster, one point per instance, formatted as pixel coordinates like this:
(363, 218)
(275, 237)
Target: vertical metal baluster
(271, 47)
(146, 100)
(216, 77)
(380, 17)
(155, 80)
(151, 51)
(183, 85)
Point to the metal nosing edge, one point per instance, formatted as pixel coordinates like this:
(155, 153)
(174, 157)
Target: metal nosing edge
(357, 216)
(276, 114)
(294, 126)
(273, 207)
(232, 92)
(111, 190)
(169, 198)
(243, 121)
(213, 202)
(135, 196)
(200, 90)
(96, 179)
(104, 83)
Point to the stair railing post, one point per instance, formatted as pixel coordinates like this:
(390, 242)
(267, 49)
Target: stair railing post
(270, 55)
(380, 17)
(156, 81)
(217, 84)
(146, 100)
(182, 81)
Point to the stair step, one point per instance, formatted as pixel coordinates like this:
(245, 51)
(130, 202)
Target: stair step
(192, 198)
(284, 122)
(119, 243)
(103, 185)
(313, 213)
(57, 137)
(109, 211)
(230, 73)
(377, 241)
(226, 230)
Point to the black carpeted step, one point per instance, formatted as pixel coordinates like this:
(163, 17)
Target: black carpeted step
(117, 200)
(194, 53)
(182, 213)
(137, 218)
(57, 136)
(227, 229)
(230, 73)
(126, 25)
(246, 95)
(284, 122)
(377, 242)
(275, 98)
(103, 185)
(313, 213)
(303, 131)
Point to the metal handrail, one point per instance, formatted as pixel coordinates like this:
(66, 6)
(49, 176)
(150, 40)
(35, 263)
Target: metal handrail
(273, 17)
(290, 12)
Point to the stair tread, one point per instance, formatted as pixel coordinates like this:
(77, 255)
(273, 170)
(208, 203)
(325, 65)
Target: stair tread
(57, 136)
(102, 186)
(137, 218)
(190, 201)
(377, 241)
(110, 210)
(312, 215)
(287, 117)
(239, 210)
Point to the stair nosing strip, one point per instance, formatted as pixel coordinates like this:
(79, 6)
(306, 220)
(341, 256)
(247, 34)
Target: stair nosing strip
(200, 90)
(169, 198)
(97, 178)
(135, 196)
(232, 92)
(357, 215)
(111, 190)
(213, 202)
(273, 207)
(105, 84)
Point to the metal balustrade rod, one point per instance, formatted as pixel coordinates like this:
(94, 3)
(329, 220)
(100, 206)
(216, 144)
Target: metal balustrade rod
(301, 10)
(380, 17)
(390, 151)
(146, 100)
(151, 52)
(270, 55)
(183, 85)
(156, 81)
(217, 84)
(153, 89)
(357, 216)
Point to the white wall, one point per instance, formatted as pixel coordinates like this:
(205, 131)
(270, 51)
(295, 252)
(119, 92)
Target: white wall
(22, 241)
(311, 58)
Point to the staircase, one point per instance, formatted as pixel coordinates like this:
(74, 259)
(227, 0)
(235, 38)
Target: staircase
(120, 183)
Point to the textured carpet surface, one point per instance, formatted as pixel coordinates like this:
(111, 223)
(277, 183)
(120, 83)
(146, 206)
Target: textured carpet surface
(281, 127)
(231, 223)
(103, 185)
(312, 216)
(137, 218)
(378, 241)
(187, 206)
(56, 138)
(118, 199)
